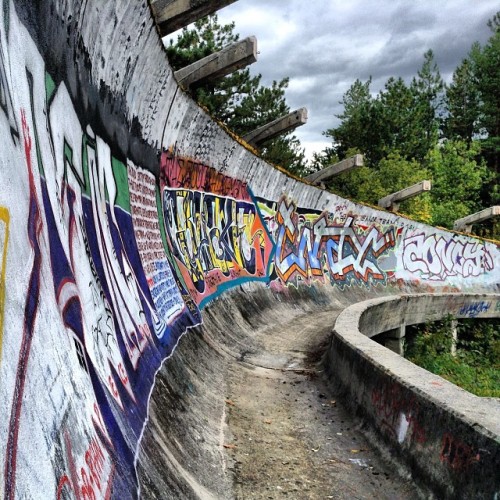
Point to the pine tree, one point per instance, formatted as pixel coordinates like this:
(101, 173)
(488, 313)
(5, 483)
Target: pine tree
(238, 100)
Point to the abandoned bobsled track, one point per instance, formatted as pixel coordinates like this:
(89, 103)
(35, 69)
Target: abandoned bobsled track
(179, 319)
(281, 431)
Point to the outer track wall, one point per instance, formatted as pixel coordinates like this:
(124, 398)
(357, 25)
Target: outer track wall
(446, 436)
(104, 266)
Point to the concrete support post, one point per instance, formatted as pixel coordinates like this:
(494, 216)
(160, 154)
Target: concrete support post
(171, 15)
(454, 337)
(229, 59)
(336, 169)
(394, 339)
(276, 127)
(392, 201)
(465, 224)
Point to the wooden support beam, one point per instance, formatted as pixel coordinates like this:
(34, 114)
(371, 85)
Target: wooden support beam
(276, 127)
(171, 15)
(336, 169)
(465, 223)
(219, 64)
(393, 200)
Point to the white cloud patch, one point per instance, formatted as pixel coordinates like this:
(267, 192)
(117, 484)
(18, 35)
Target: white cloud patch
(324, 45)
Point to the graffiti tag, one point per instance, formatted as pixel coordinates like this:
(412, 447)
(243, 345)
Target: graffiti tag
(437, 257)
(474, 309)
(318, 249)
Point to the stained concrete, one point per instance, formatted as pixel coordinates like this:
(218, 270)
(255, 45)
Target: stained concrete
(92, 109)
(245, 407)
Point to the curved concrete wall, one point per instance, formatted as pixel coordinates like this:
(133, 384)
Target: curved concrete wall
(447, 437)
(124, 210)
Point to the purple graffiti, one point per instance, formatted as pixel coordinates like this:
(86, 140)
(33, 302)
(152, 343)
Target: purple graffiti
(438, 258)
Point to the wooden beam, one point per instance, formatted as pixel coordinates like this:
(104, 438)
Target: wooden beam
(171, 15)
(393, 200)
(465, 223)
(336, 169)
(276, 127)
(219, 64)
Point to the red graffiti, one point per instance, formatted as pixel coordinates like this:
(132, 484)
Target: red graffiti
(458, 455)
(179, 172)
(91, 482)
(389, 404)
(34, 230)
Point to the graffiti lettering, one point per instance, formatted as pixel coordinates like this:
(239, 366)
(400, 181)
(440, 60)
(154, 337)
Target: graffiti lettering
(458, 455)
(166, 295)
(95, 475)
(338, 251)
(437, 257)
(474, 309)
(216, 239)
(178, 172)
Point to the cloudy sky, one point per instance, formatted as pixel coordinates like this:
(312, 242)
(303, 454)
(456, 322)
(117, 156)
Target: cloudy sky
(324, 45)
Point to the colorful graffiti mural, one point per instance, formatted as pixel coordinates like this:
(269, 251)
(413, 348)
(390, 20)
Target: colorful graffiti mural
(218, 238)
(319, 247)
(109, 266)
(438, 257)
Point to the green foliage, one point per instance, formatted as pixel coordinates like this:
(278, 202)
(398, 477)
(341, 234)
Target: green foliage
(354, 130)
(457, 179)
(426, 130)
(390, 174)
(238, 100)
(487, 63)
(462, 102)
(476, 365)
(401, 118)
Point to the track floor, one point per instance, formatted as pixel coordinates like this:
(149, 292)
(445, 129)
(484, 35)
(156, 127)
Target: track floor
(287, 435)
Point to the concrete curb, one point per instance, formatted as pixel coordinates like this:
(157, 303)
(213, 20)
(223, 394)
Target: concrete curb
(447, 437)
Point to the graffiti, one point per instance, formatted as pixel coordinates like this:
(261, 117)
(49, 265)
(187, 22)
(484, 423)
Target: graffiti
(161, 281)
(178, 172)
(84, 244)
(4, 242)
(474, 309)
(111, 266)
(94, 477)
(397, 414)
(437, 258)
(216, 239)
(34, 229)
(323, 248)
(458, 455)
(213, 227)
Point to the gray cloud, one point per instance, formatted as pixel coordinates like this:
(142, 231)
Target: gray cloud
(324, 45)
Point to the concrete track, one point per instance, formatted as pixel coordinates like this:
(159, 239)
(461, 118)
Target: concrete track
(257, 419)
(289, 436)
(159, 282)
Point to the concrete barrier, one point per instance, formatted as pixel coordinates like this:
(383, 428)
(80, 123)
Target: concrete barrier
(125, 210)
(448, 438)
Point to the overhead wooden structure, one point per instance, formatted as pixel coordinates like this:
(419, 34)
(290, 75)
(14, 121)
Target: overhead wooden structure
(465, 223)
(336, 169)
(171, 15)
(393, 200)
(276, 127)
(219, 64)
